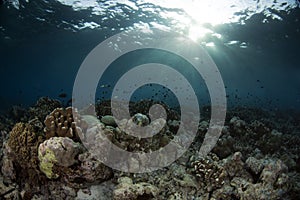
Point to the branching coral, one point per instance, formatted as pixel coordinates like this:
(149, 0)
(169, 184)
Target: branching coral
(60, 122)
(211, 174)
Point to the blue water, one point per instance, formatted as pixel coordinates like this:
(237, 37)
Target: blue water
(43, 44)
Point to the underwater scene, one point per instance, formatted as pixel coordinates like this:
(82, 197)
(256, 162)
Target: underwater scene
(150, 99)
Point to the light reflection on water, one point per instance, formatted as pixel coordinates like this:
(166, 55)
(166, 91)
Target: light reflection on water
(194, 18)
(189, 16)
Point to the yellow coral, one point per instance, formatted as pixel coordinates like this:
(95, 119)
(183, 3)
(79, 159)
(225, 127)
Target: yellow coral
(47, 160)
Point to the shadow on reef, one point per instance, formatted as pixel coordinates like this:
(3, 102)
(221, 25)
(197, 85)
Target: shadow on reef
(43, 156)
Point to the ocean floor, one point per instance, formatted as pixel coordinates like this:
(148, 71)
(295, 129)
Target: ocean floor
(42, 156)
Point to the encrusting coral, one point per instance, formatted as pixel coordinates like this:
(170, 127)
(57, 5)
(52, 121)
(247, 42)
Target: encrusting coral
(57, 150)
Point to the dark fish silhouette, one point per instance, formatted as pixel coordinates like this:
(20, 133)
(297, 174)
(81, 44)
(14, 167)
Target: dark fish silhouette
(62, 95)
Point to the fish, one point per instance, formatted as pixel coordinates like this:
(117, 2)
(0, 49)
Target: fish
(105, 86)
(62, 95)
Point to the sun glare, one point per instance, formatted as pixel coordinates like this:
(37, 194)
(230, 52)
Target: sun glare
(211, 12)
(201, 12)
(197, 31)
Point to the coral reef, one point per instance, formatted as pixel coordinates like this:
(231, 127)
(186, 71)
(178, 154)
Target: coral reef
(108, 120)
(229, 178)
(101, 191)
(92, 169)
(21, 149)
(140, 119)
(127, 190)
(211, 175)
(255, 165)
(55, 151)
(58, 154)
(255, 157)
(238, 125)
(225, 144)
(104, 108)
(18, 114)
(119, 136)
(60, 123)
(7, 163)
(7, 191)
(43, 107)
